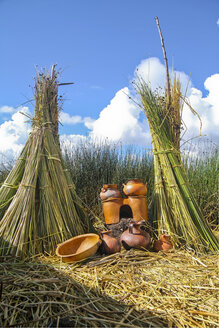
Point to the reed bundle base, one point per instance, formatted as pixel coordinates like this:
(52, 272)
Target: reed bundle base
(127, 289)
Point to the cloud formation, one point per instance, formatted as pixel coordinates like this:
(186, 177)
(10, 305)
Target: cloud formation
(206, 107)
(119, 121)
(7, 109)
(65, 118)
(14, 132)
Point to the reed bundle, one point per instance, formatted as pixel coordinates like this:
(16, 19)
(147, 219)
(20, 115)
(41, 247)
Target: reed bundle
(175, 208)
(38, 202)
(127, 289)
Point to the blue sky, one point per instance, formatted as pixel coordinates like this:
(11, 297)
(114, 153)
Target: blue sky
(99, 44)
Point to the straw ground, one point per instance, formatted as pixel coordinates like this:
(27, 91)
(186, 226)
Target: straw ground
(127, 289)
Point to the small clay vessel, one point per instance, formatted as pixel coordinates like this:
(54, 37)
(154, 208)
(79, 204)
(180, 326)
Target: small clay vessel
(135, 187)
(110, 244)
(110, 191)
(135, 237)
(163, 244)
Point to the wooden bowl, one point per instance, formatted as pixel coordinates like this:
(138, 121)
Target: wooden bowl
(78, 248)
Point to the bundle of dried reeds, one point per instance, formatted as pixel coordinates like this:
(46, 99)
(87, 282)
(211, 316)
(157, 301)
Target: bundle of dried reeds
(38, 200)
(175, 209)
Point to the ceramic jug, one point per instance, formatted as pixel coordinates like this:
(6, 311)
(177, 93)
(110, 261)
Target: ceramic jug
(110, 244)
(163, 244)
(110, 191)
(135, 237)
(135, 187)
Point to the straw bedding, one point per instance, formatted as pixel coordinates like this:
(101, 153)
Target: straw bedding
(127, 289)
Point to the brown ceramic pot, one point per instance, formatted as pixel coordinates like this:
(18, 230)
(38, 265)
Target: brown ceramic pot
(110, 245)
(135, 187)
(163, 244)
(135, 237)
(110, 191)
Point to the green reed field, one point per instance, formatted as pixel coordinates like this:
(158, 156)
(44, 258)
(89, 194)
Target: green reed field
(91, 165)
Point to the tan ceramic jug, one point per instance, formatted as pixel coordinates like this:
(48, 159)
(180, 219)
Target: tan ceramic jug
(110, 191)
(135, 187)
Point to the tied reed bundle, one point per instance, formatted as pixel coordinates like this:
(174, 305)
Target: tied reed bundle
(175, 207)
(39, 205)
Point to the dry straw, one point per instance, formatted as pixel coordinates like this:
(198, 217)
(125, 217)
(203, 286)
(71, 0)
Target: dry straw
(39, 206)
(127, 289)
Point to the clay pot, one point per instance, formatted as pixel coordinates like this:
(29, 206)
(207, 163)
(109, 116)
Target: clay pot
(135, 237)
(110, 245)
(163, 244)
(135, 187)
(110, 191)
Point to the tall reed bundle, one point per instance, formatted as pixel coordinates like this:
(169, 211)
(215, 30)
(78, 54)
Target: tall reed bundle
(38, 199)
(175, 208)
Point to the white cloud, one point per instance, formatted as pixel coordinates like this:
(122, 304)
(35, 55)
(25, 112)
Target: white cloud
(119, 121)
(14, 132)
(7, 109)
(218, 22)
(65, 118)
(206, 107)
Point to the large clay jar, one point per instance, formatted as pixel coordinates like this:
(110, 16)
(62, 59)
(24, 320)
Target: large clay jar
(110, 191)
(135, 187)
(135, 237)
(111, 202)
(163, 244)
(110, 245)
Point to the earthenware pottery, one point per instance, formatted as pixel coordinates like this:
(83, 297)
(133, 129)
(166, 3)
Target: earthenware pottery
(110, 245)
(135, 187)
(163, 244)
(110, 191)
(135, 237)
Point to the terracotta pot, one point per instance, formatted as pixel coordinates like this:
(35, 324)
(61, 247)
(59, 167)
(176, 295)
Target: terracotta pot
(163, 244)
(135, 187)
(111, 210)
(110, 191)
(110, 244)
(135, 237)
(139, 207)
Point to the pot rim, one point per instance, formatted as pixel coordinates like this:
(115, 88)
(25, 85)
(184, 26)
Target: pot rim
(110, 185)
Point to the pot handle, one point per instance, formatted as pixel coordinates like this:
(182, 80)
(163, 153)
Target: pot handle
(131, 224)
